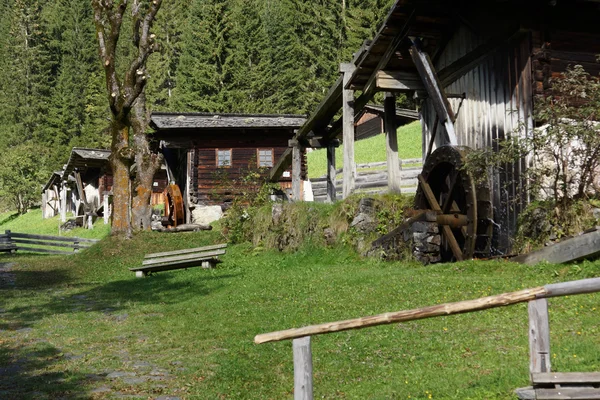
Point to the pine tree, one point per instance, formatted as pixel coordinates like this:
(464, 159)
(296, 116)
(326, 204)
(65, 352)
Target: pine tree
(201, 72)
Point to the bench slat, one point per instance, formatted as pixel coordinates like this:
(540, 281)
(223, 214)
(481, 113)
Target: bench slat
(565, 377)
(186, 251)
(568, 393)
(186, 257)
(175, 265)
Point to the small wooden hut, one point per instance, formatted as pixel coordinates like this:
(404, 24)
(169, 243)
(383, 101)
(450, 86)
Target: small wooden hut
(212, 154)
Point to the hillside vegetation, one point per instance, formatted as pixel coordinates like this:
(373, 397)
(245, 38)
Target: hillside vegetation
(370, 150)
(84, 327)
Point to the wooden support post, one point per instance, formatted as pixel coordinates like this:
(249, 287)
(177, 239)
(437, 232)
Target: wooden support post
(434, 90)
(44, 203)
(63, 202)
(105, 208)
(296, 172)
(89, 221)
(303, 383)
(349, 181)
(539, 336)
(393, 163)
(331, 174)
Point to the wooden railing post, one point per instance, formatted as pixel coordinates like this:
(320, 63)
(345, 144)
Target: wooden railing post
(303, 384)
(539, 336)
(75, 246)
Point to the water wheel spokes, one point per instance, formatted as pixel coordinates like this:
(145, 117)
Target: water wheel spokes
(446, 188)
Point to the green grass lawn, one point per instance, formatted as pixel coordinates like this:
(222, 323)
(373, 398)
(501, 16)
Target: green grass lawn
(33, 223)
(80, 326)
(370, 150)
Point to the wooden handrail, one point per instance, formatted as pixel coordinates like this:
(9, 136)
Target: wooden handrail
(484, 303)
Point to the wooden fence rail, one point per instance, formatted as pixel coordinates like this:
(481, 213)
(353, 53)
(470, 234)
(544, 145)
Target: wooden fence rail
(13, 241)
(539, 337)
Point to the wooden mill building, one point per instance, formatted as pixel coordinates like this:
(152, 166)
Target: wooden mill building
(212, 154)
(475, 68)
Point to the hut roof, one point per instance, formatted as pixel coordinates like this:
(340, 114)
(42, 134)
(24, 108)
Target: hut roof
(82, 158)
(210, 121)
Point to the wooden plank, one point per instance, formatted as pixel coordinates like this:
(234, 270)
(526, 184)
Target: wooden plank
(566, 378)
(391, 144)
(586, 245)
(297, 173)
(52, 244)
(348, 132)
(55, 238)
(187, 251)
(483, 303)
(591, 285)
(331, 173)
(398, 81)
(38, 250)
(185, 257)
(303, 370)
(539, 337)
(568, 393)
(175, 265)
(63, 203)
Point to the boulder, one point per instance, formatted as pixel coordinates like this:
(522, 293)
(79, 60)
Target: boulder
(204, 215)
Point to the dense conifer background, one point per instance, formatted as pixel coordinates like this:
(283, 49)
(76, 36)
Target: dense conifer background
(243, 56)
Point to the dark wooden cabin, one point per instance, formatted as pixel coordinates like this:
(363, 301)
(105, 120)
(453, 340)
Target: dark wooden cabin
(475, 68)
(212, 154)
(370, 120)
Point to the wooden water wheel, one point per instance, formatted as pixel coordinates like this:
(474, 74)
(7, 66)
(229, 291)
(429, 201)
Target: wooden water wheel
(447, 189)
(173, 205)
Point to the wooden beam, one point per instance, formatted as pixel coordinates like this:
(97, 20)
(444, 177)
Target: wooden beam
(349, 179)
(539, 336)
(319, 143)
(434, 90)
(303, 370)
(281, 165)
(391, 144)
(63, 202)
(483, 303)
(586, 245)
(331, 175)
(296, 173)
(389, 53)
(398, 81)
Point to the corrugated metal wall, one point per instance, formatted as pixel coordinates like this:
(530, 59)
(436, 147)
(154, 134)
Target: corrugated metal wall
(498, 104)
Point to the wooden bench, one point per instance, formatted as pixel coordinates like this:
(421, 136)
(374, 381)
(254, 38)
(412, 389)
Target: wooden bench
(206, 257)
(545, 384)
(562, 385)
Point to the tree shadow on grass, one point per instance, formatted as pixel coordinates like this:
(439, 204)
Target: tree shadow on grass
(8, 219)
(26, 373)
(108, 298)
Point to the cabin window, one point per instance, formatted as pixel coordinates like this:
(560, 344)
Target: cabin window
(265, 158)
(223, 158)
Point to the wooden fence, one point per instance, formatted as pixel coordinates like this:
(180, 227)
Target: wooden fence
(539, 330)
(372, 178)
(13, 241)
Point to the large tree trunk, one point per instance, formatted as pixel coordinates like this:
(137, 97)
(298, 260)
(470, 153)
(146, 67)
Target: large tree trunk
(120, 160)
(147, 164)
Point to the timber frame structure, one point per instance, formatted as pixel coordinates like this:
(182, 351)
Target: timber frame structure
(475, 69)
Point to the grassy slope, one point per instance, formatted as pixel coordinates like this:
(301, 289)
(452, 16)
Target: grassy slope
(370, 150)
(89, 315)
(33, 223)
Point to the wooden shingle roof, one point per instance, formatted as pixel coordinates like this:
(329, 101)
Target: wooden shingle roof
(205, 121)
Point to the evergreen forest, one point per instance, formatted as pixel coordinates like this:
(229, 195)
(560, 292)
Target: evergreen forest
(238, 56)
